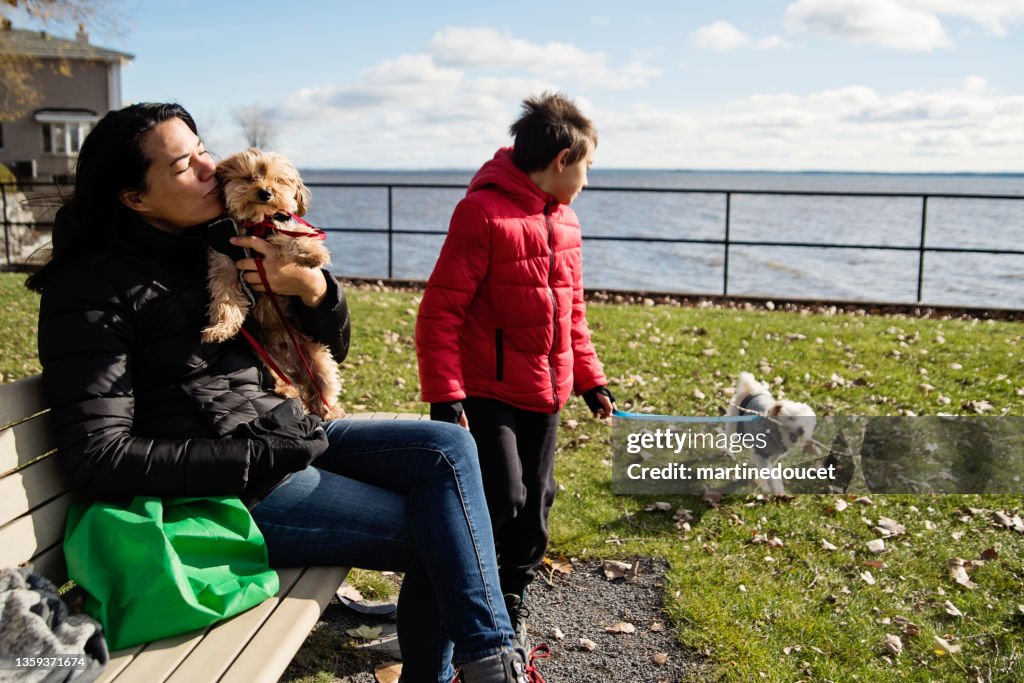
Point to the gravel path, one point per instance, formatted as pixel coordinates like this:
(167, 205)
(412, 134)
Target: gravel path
(581, 604)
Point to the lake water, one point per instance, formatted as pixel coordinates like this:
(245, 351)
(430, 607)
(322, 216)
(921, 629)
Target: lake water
(983, 280)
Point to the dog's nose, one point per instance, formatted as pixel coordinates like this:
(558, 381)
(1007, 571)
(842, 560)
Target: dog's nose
(264, 195)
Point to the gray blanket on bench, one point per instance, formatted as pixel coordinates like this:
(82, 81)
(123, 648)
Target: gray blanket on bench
(35, 623)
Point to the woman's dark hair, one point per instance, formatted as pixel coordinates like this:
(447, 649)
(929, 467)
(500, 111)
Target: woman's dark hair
(111, 160)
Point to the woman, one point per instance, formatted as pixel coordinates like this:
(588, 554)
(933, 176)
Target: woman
(142, 407)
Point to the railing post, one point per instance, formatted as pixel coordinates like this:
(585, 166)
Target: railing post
(7, 225)
(391, 235)
(920, 249)
(728, 218)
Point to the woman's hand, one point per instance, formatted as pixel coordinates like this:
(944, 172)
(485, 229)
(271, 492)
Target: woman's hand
(286, 279)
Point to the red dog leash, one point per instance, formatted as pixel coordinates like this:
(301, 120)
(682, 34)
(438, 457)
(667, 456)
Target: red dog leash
(262, 230)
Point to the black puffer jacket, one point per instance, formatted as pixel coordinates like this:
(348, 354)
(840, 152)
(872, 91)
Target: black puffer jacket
(140, 405)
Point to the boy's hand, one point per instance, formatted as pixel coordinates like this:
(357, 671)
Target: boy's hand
(600, 401)
(450, 411)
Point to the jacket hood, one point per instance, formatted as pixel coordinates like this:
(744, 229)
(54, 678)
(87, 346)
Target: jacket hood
(502, 173)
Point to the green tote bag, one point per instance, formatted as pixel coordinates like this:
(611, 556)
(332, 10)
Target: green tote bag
(159, 567)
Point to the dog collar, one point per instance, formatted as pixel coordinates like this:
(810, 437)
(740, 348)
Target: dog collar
(759, 404)
(269, 225)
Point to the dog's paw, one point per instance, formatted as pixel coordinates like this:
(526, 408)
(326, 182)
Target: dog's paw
(335, 413)
(218, 333)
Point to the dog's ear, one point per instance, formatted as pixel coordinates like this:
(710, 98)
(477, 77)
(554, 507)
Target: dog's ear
(776, 409)
(302, 197)
(229, 168)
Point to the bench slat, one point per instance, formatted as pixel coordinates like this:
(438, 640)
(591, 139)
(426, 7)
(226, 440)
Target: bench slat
(29, 488)
(223, 643)
(28, 536)
(25, 442)
(157, 660)
(119, 661)
(268, 654)
(20, 399)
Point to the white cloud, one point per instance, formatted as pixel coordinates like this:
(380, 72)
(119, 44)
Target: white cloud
(994, 15)
(442, 108)
(721, 36)
(963, 128)
(487, 48)
(899, 24)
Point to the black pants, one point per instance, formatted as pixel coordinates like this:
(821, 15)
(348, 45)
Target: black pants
(517, 460)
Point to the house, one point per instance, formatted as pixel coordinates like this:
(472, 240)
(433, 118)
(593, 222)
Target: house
(77, 82)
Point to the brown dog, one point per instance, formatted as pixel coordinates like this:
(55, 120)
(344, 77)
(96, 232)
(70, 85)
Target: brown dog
(265, 196)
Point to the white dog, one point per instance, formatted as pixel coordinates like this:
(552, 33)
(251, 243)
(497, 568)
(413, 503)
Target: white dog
(785, 425)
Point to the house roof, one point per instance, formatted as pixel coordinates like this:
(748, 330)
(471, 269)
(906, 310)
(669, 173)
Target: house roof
(18, 41)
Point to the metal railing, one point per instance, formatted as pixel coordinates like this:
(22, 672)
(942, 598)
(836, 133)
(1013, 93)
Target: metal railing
(727, 242)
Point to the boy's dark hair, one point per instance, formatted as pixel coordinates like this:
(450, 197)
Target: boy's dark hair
(550, 123)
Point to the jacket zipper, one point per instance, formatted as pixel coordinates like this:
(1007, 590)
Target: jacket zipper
(554, 303)
(499, 355)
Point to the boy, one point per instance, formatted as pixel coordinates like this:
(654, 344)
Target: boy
(502, 337)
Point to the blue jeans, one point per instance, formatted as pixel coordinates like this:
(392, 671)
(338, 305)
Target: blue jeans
(401, 496)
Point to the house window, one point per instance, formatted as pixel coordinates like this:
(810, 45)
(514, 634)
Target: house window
(64, 137)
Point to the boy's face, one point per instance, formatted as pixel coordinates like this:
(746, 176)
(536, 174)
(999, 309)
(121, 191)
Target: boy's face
(570, 179)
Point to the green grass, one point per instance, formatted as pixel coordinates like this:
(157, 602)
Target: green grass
(760, 612)
(19, 309)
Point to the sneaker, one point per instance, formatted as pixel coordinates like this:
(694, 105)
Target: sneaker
(517, 613)
(511, 666)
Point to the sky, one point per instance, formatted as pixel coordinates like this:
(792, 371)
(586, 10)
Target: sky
(840, 85)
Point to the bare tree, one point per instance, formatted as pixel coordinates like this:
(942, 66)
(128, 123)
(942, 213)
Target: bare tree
(17, 91)
(257, 125)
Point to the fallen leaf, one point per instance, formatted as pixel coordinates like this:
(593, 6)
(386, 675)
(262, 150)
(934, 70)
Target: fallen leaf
(867, 578)
(951, 609)
(958, 570)
(980, 407)
(945, 647)
(891, 526)
(827, 546)
(613, 569)
(909, 627)
(557, 634)
(560, 564)
(1005, 520)
(893, 645)
(388, 672)
(864, 500)
(365, 632)
(840, 505)
(990, 554)
(621, 627)
(657, 627)
(347, 591)
(587, 644)
(660, 659)
(712, 498)
(876, 546)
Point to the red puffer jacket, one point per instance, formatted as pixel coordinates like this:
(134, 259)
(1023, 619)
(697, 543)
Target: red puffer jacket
(503, 314)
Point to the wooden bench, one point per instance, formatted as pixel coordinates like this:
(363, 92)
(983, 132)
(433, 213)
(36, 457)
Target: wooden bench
(34, 495)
